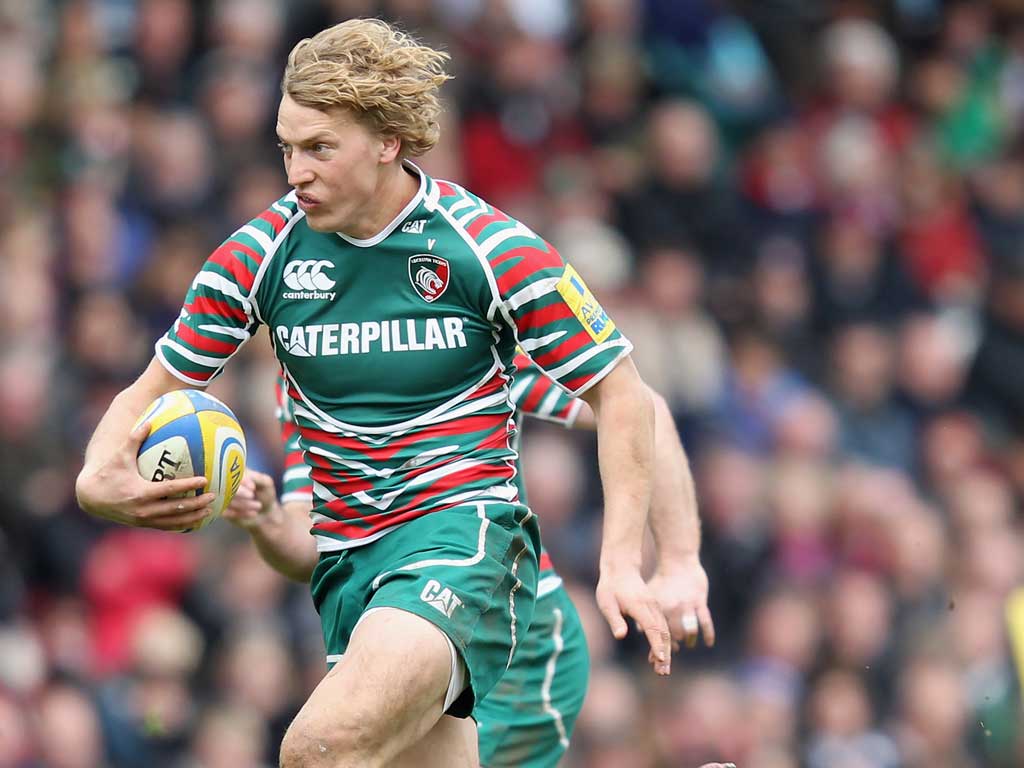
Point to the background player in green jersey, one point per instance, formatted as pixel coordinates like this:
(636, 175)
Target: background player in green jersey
(526, 721)
(428, 561)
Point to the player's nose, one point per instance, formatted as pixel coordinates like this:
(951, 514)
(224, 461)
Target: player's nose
(300, 172)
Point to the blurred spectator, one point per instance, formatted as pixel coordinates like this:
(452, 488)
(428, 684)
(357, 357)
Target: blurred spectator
(807, 217)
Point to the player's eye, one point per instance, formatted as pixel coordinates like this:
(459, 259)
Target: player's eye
(319, 148)
(286, 149)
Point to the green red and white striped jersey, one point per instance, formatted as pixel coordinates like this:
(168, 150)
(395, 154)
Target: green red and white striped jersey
(532, 393)
(397, 350)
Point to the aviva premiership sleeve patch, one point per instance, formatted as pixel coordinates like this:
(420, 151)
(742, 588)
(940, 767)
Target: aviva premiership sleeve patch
(583, 304)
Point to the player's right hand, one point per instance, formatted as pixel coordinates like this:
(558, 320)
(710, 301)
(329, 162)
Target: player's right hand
(255, 501)
(116, 491)
(621, 591)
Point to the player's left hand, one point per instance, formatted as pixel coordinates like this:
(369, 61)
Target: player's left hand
(254, 503)
(681, 589)
(621, 592)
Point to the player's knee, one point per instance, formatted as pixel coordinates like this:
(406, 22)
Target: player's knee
(350, 742)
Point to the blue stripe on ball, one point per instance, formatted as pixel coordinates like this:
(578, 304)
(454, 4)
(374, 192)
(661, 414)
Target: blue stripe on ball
(204, 402)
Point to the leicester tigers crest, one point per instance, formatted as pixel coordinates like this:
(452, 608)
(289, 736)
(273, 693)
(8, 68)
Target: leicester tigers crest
(429, 275)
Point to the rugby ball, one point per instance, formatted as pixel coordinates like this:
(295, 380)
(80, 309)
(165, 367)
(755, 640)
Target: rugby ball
(193, 433)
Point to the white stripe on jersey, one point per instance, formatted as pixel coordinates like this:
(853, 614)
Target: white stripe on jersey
(225, 330)
(388, 498)
(366, 469)
(285, 212)
(444, 412)
(519, 230)
(547, 405)
(210, 362)
(549, 676)
(224, 286)
(580, 359)
(531, 292)
(529, 345)
(481, 208)
(519, 387)
(296, 473)
(481, 550)
(548, 584)
(261, 239)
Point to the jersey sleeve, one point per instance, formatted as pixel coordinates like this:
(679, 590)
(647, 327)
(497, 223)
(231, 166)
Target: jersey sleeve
(557, 320)
(220, 312)
(535, 394)
(296, 484)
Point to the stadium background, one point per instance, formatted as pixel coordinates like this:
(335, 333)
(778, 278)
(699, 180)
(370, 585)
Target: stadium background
(808, 216)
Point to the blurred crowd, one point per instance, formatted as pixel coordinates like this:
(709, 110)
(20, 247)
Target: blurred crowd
(808, 217)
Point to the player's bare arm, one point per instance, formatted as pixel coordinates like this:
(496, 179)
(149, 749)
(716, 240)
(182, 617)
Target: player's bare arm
(625, 416)
(110, 486)
(679, 582)
(279, 531)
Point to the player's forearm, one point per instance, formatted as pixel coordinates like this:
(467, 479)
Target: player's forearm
(284, 542)
(625, 451)
(123, 412)
(674, 521)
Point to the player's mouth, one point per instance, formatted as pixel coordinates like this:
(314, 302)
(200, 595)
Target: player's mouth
(307, 202)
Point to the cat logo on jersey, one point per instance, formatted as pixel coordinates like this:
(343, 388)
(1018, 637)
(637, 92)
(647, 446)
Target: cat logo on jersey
(428, 275)
(583, 304)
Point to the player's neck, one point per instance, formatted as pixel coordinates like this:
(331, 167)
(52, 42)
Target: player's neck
(396, 188)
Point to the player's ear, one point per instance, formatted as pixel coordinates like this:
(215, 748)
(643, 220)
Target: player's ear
(389, 149)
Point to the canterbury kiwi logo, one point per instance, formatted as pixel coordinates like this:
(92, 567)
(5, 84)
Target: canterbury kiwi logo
(308, 276)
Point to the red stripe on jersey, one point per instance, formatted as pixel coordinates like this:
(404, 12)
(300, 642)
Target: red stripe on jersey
(204, 343)
(491, 422)
(564, 412)
(338, 481)
(573, 384)
(378, 521)
(534, 259)
(521, 361)
(446, 189)
(274, 219)
(226, 257)
(204, 305)
(536, 392)
(553, 357)
(545, 562)
(538, 318)
(522, 251)
(481, 222)
(195, 374)
(356, 532)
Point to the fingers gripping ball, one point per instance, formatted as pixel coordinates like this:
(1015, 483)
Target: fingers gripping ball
(193, 433)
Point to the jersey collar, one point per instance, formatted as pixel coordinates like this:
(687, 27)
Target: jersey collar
(402, 215)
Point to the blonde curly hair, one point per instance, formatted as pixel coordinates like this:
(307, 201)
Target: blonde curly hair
(379, 73)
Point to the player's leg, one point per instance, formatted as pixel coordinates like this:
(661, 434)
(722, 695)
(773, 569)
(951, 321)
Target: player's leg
(470, 577)
(386, 694)
(528, 718)
(452, 739)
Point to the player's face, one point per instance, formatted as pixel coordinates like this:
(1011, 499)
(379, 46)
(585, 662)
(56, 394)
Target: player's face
(335, 165)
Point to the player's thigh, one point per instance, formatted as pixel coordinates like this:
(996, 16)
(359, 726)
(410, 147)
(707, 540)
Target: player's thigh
(528, 719)
(451, 742)
(386, 693)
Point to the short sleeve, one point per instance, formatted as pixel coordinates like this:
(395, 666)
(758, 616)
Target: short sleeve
(220, 314)
(558, 322)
